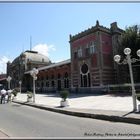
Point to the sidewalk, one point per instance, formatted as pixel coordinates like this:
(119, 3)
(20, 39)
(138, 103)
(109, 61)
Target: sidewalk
(116, 108)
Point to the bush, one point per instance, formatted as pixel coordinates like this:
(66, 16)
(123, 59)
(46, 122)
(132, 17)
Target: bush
(138, 96)
(15, 92)
(29, 94)
(64, 94)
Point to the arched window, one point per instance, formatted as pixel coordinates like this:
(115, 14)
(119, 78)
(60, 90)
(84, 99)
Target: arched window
(42, 78)
(79, 52)
(52, 76)
(42, 84)
(85, 76)
(85, 80)
(59, 81)
(47, 77)
(84, 68)
(59, 76)
(47, 84)
(66, 80)
(52, 83)
(37, 84)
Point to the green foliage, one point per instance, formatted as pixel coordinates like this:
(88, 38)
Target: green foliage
(122, 88)
(64, 94)
(138, 96)
(130, 39)
(29, 94)
(17, 89)
(15, 92)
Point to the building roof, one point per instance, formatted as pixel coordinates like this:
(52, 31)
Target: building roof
(35, 56)
(53, 65)
(32, 56)
(2, 76)
(3, 79)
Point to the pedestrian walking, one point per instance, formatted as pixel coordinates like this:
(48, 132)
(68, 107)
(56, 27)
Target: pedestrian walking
(9, 93)
(3, 94)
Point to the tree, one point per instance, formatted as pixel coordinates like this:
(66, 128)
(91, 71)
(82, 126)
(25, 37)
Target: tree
(131, 39)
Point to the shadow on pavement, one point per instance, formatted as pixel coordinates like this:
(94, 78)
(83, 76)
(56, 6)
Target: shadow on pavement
(73, 95)
(120, 94)
(18, 105)
(127, 113)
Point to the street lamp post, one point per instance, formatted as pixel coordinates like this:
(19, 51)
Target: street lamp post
(20, 82)
(8, 80)
(34, 73)
(128, 60)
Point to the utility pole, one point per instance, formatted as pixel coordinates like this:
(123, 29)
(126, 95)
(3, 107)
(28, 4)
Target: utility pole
(30, 43)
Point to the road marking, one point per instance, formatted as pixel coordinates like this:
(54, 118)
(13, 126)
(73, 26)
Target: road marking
(2, 134)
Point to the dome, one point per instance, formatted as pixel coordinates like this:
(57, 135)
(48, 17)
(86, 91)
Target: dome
(35, 56)
(32, 56)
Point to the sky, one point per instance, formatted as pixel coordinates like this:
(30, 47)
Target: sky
(48, 25)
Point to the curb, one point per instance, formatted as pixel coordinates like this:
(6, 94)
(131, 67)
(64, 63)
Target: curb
(82, 114)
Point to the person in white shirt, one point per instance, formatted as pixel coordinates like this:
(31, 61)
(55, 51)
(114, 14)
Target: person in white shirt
(9, 92)
(3, 94)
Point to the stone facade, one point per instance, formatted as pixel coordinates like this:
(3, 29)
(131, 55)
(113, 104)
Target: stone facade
(94, 49)
(3, 81)
(25, 62)
(90, 67)
(52, 78)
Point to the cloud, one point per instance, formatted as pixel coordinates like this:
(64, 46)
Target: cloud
(3, 64)
(60, 60)
(44, 49)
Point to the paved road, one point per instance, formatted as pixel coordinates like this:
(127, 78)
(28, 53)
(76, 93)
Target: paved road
(23, 121)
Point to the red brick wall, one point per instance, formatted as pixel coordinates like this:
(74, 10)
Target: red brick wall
(107, 49)
(94, 60)
(55, 71)
(84, 40)
(106, 43)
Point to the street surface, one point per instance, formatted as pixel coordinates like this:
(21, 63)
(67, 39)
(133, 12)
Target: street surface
(23, 121)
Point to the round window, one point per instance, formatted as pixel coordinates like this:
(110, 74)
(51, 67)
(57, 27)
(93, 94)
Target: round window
(84, 68)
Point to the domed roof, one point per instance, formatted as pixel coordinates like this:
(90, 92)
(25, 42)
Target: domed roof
(35, 56)
(32, 56)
